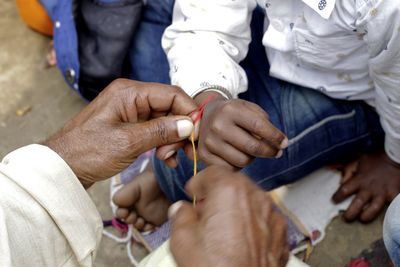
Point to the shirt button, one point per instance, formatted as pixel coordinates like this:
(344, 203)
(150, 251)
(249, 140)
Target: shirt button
(70, 76)
(57, 24)
(278, 25)
(322, 4)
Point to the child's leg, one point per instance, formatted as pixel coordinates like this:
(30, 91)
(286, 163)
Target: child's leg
(322, 130)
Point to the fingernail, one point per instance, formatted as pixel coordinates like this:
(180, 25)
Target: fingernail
(280, 154)
(173, 209)
(285, 143)
(169, 154)
(185, 128)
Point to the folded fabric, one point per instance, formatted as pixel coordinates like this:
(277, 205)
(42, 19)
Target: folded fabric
(308, 204)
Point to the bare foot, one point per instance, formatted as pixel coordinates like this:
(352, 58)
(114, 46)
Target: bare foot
(374, 180)
(142, 203)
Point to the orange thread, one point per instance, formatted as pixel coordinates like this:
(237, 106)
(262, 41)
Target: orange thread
(194, 163)
(199, 111)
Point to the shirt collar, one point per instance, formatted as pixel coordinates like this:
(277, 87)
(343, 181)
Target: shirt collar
(322, 7)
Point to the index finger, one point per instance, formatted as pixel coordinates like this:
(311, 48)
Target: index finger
(166, 99)
(255, 120)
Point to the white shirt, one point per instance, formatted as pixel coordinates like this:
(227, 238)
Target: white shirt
(46, 216)
(347, 49)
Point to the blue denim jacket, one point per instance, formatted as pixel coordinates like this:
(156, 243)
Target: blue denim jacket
(71, 54)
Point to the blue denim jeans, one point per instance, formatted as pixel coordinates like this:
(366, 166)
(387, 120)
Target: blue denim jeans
(321, 130)
(391, 230)
(148, 60)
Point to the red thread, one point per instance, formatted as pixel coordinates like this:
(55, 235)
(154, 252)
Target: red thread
(201, 109)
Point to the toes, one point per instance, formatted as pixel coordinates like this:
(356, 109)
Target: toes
(148, 227)
(373, 209)
(139, 224)
(128, 195)
(346, 190)
(132, 218)
(357, 206)
(126, 215)
(122, 213)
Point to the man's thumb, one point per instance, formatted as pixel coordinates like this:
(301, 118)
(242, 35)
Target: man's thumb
(182, 214)
(163, 131)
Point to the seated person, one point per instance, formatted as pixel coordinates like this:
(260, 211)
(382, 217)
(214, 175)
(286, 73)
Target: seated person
(324, 73)
(48, 219)
(98, 41)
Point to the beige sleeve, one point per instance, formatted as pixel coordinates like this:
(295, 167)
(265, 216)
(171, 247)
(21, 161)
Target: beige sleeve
(46, 216)
(162, 257)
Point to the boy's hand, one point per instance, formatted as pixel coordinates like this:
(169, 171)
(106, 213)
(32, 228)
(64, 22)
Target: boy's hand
(233, 132)
(375, 180)
(235, 224)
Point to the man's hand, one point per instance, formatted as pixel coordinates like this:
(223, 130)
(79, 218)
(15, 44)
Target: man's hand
(125, 120)
(234, 224)
(375, 180)
(233, 132)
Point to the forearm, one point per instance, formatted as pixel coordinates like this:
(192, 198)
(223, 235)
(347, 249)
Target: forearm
(204, 49)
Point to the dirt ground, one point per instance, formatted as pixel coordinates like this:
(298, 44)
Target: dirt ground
(25, 82)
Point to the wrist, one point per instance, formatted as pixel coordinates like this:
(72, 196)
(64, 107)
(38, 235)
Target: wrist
(59, 146)
(203, 96)
(214, 88)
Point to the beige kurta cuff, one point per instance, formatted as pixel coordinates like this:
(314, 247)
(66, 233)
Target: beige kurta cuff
(46, 216)
(162, 257)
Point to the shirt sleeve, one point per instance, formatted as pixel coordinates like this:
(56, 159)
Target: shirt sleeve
(162, 257)
(46, 216)
(205, 43)
(380, 20)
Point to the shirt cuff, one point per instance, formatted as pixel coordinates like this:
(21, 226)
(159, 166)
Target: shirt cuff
(392, 148)
(50, 181)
